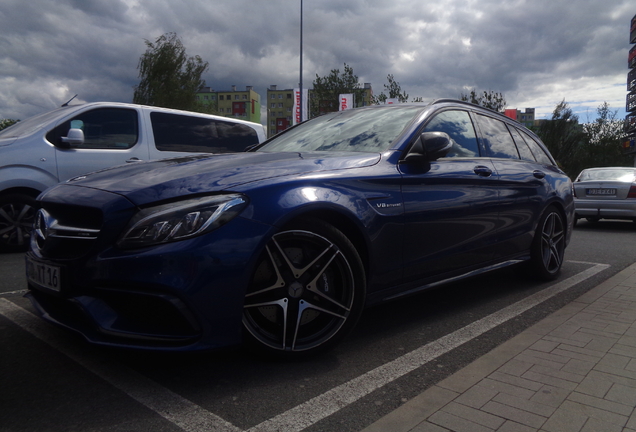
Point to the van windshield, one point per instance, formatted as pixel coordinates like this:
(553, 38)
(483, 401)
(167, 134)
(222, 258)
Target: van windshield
(32, 124)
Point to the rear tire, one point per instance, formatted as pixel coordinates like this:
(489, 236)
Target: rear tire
(17, 213)
(307, 291)
(548, 246)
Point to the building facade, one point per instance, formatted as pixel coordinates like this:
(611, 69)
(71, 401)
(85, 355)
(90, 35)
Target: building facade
(280, 106)
(243, 105)
(526, 117)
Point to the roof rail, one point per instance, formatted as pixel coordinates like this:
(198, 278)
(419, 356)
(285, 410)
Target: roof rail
(451, 100)
(443, 100)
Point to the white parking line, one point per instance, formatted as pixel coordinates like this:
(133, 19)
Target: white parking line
(320, 407)
(193, 418)
(174, 408)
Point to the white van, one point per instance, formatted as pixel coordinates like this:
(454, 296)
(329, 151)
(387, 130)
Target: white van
(52, 147)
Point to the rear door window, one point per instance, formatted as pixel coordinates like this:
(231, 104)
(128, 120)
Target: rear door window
(524, 150)
(497, 138)
(181, 133)
(537, 150)
(104, 128)
(458, 125)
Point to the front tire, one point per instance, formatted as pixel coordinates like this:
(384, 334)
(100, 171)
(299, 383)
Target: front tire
(548, 247)
(16, 222)
(307, 291)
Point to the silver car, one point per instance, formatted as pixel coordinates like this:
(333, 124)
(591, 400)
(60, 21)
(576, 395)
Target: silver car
(606, 193)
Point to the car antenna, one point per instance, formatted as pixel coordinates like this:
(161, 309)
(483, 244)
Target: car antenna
(68, 101)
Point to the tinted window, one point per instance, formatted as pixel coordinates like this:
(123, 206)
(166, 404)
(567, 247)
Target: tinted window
(524, 150)
(537, 150)
(459, 127)
(104, 128)
(174, 132)
(497, 138)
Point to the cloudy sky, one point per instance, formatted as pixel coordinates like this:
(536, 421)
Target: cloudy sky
(535, 52)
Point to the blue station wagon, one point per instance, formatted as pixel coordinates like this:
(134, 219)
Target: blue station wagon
(282, 246)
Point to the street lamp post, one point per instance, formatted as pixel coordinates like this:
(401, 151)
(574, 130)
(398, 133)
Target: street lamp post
(301, 61)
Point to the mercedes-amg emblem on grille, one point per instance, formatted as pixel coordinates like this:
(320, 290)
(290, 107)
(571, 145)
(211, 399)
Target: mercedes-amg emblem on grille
(41, 225)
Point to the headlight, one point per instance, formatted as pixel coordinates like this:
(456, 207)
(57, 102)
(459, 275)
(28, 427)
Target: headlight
(180, 220)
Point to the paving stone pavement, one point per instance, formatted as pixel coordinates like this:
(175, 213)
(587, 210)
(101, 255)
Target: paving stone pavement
(573, 371)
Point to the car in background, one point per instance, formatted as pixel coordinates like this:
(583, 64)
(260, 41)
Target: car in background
(605, 193)
(284, 245)
(43, 150)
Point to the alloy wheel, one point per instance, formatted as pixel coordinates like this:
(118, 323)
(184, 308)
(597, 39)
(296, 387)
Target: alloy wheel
(302, 292)
(16, 222)
(552, 242)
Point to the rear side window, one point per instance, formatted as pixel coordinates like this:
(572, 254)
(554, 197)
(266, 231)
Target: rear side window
(104, 128)
(459, 127)
(524, 150)
(497, 138)
(175, 132)
(537, 150)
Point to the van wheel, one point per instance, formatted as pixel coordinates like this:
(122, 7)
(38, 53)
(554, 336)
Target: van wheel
(17, 213)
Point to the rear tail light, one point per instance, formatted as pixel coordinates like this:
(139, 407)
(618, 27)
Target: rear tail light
(632, 192)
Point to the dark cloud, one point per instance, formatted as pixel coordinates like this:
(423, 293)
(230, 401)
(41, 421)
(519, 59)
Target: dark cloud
(535, 52)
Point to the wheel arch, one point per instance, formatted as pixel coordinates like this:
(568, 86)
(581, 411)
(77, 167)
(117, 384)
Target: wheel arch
(31, 192)
(343, 223)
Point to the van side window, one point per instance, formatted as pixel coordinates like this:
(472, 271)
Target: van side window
(459, 127)
(497, 138)
(174, 132)
(104, 128)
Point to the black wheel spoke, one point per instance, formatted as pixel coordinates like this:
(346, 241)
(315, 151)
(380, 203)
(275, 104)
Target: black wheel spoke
(296, 271)
(278, 283)
(302, 307)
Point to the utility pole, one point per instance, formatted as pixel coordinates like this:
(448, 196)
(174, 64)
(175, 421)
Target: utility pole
(301, 61)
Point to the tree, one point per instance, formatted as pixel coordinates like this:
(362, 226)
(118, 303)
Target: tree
(488, 99)
(563, 135)
(394, 92)
(5, 123)
(328, 89)
(168, 78)
(605, 136)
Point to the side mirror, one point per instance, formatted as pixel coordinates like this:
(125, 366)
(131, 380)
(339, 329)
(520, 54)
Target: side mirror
(430, 146)
(74, 137)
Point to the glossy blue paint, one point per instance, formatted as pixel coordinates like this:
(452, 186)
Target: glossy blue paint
(413, 225)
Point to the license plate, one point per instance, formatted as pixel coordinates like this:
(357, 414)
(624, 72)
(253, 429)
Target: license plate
(43, 275)
(602, 191)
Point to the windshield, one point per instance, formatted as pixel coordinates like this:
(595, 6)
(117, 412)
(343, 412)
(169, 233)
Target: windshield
(31, 124)
(621, 175)
(357, 130)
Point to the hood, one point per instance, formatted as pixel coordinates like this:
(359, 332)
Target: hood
(147, 182)
(8, 140)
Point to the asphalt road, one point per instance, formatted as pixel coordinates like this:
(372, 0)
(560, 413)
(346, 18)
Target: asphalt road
(51, 380)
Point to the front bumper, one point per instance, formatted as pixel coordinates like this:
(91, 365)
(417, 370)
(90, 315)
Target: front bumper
(180, 296)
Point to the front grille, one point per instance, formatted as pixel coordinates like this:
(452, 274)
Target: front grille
(65, 231)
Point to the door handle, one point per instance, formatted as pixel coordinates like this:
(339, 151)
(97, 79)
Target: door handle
(133, 159)
(482, 171)
(538, 174)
